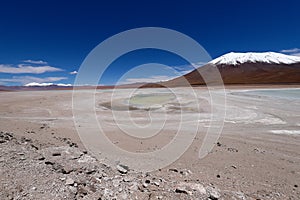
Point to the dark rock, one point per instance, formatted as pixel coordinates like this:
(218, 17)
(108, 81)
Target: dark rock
(173, 170)
(257, 150)
(40, 158)
(25, 140)
(67, 169)
(6, 136)
(56, 154)
(49, 163)
(146, 183)
(185, 172)
(81, 191)
(34, 147)
(230, 149)
(181, 190)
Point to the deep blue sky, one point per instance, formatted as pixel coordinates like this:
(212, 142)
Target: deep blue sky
(62, 33)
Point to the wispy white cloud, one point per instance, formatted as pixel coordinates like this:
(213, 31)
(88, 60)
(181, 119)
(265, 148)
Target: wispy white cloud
(292, 52)
(73, 72)
(28, 79)
(39, 62)
(28, 69)
(184, 69)
(296, 54)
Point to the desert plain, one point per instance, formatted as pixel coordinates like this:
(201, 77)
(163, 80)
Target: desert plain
(44, 153)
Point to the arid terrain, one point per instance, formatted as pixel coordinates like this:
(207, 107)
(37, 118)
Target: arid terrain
(257, 155)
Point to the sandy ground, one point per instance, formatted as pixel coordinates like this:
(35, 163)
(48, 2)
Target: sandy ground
(256, 157)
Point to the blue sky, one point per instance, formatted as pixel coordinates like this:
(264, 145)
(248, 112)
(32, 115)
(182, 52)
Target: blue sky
(44, 41)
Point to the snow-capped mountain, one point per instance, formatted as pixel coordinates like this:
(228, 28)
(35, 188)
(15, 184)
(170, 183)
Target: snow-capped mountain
(37, 86)
(248, 68)
(252, 57)
(34, 84)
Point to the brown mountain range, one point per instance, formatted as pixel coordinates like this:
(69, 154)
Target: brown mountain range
(245, 73)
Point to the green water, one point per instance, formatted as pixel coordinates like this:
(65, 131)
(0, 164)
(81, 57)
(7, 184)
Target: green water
(150, 99)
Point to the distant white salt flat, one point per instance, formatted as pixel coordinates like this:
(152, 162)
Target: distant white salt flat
(290, 132)
(239, 115)
(270, 121)
(230, 121)
(264, 89)
(286, 93)
(264, 121)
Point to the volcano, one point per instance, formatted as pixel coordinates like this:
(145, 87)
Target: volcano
(247, 68)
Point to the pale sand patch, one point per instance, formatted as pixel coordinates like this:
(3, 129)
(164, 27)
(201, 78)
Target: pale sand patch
(270, 121)
(291, 132)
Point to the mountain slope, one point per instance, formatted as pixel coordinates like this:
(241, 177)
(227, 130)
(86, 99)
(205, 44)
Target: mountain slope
(247, 68)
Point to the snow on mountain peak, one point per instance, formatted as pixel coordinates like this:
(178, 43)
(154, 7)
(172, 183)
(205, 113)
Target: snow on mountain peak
(33, 84)
(253, 57)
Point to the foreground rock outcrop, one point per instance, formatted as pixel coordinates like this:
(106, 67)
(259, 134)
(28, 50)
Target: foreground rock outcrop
(67, 172)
